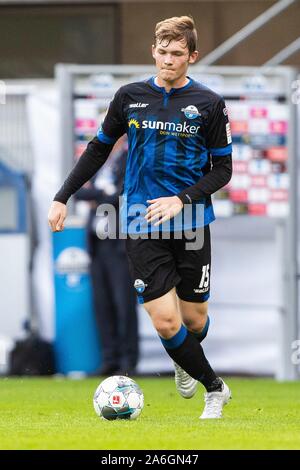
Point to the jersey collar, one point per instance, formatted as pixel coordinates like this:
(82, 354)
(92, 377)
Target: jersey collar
(162, 89)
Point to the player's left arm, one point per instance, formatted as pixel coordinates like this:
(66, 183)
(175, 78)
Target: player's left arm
(219, 144)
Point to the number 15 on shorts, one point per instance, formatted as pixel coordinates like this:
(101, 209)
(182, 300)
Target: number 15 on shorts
(204, 283)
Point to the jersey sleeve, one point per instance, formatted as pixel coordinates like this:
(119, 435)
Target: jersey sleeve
(92, 159)
(97, 151)
(114, 124)
(219, 141)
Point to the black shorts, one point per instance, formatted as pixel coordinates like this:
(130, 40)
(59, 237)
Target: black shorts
(156, 266)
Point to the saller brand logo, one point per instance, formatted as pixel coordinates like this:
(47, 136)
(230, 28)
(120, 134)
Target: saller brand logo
(138, 105)
(171, 126)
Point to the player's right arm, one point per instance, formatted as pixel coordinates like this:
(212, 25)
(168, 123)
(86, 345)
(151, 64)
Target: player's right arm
(90, 161)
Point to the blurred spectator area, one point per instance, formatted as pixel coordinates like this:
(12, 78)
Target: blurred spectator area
(37, 34)
(15, 148)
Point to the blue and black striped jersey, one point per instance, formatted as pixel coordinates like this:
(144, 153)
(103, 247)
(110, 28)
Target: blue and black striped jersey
(179, 144)
(173, 140)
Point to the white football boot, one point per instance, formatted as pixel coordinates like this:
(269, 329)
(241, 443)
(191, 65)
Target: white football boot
(185, 384)
(214, 402)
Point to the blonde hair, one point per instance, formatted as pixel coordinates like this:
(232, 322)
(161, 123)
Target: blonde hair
(177, 28)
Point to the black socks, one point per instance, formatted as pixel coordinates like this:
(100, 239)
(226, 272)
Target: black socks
(216, 385)
(188, 353)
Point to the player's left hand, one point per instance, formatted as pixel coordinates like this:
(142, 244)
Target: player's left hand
(163, 208)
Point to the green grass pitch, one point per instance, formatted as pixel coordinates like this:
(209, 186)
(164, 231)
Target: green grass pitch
(59, 414)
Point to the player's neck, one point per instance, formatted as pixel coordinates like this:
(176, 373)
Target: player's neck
(168, 85)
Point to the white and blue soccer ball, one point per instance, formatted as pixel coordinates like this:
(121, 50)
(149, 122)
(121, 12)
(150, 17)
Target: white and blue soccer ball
(118, 397)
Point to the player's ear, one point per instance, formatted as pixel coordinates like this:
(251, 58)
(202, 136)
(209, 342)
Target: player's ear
(153, 50)
(193, 57)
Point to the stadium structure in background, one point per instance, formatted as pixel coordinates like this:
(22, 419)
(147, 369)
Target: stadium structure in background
(263, 119)
(265, 166)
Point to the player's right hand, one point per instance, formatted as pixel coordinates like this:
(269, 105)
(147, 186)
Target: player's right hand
(56, 216)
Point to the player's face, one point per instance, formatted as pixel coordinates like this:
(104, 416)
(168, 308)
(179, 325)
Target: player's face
(172, 59)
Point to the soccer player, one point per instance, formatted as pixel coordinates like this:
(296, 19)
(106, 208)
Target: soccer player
(179, 154)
